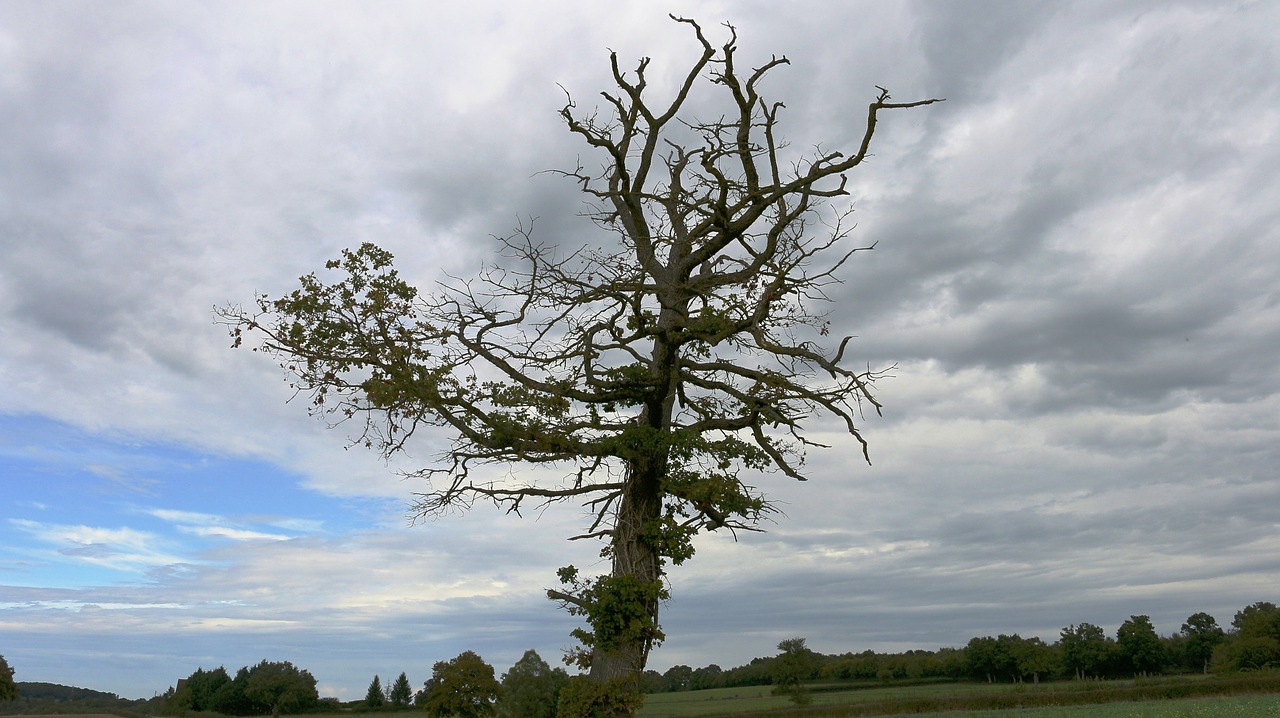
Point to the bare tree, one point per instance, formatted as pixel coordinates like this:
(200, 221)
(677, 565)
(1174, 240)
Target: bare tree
(659, 373)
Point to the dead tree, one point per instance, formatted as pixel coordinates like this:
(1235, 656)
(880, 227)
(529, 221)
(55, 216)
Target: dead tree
(661, 371)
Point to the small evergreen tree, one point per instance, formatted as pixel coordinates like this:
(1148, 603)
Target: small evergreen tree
(401, 693)
(373, 696)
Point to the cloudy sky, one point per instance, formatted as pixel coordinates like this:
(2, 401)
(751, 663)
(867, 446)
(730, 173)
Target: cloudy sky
(1077, 274)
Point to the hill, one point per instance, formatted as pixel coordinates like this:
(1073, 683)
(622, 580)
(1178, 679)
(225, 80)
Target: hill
(36, 698)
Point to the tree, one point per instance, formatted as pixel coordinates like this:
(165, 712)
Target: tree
(989, 657)
(1258, 620)
(1086, 650)
(531, 688)
(1139, 644)
(1202, 635)
(199, 692)
(280, 687)
(792, 667)
(374, 697)
(677, 678)
(8, 689)
(1032, 657)
(231, 697)
(706, 677)
(662, 369)
(463, 686)
(401, 692)
(1256, 643)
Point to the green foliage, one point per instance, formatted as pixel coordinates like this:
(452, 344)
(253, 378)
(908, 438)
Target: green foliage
(8, 689)
(463, 686)
(200, 690)
(582, 697)
(401, 691)
(268, 687)
(1258, 620)
(281, 687)
(1202, 635)
(1086, 650)
(531, 688)
(1139, 645)
(374, 697)
(618, 611)
(792, 668)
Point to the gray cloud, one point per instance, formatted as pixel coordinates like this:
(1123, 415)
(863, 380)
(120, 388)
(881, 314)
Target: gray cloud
(1075, 274)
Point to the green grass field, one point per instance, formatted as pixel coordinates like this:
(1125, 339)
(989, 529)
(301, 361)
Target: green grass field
(1229, 707)
(731, 701)
(724, 702)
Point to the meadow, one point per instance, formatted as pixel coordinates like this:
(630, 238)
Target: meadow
(1185, 697)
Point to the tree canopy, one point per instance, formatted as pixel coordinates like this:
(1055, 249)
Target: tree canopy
(8, 689)
(662, 370)
(463, 686)
(273, 687)
(531, 688)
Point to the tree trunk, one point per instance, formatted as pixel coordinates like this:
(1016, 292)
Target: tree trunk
(633, 556)
(640, 511)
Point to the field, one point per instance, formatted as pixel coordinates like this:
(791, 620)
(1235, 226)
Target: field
(1228, 707)
(1187, 697)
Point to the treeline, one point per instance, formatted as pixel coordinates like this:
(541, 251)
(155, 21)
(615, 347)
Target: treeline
(1083, 651)
(273, 687)
(34, 698)
(464, 685)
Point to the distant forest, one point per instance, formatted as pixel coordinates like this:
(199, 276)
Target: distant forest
(51, 698)
(1082, 652)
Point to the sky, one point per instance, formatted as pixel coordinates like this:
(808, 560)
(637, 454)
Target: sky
(1076, 276)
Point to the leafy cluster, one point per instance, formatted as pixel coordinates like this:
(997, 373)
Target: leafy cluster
(268, 687)
(463, 686)
(8, 689)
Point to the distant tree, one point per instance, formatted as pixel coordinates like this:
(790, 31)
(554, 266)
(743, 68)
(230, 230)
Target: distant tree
(531, 688)
(374, 697)
(8, 688)
(1086, 650)
(1261, 619)
(281, 687)
(1140, 646)
(706, 677)
(651, 682)
(231, 699)
(1256, 643)
(677, 678)
(1202, 635)
(1033, 657)
(660, 368)
(401, 693)
(993, 658)
(463, 686)
(200, 690)
(793, 666)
